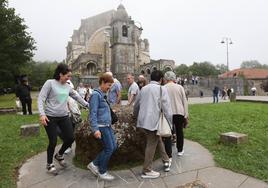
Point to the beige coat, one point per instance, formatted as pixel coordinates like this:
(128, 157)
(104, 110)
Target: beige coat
(179, 104)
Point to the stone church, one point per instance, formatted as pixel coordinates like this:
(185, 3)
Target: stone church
(110, 41)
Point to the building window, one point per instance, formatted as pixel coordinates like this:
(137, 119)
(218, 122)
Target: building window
(142, 72)
(148, 71)
(91, 69)
(124, 31)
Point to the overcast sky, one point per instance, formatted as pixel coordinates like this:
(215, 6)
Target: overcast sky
(184, 30)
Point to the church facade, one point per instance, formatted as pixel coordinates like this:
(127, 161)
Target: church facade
(110, 41)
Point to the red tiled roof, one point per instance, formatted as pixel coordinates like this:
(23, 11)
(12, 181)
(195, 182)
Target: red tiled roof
(247, 73)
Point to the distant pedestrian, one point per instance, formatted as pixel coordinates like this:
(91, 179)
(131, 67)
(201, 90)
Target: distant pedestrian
(114, 94)
(253, 90)
(201, 93)
(23, 93)
(216, 94)
(53, 109)
(89, 91)
(223, 93)
(81, 90)
(193, 80)
(133, 89)
(229, 92)
(196, 80)
(141, 81)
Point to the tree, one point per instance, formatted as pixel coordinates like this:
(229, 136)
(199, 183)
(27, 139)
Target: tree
(251, 64)
(203, 69)
(41, 71)
(221, 68)
(181, 70)
(16, 45)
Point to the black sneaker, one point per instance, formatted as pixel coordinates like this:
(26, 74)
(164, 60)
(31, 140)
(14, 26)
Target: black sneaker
(60, 160)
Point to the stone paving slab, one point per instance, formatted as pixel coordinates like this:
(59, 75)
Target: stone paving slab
(180, 179)
(215, 177)
(196, 164)
(154, 183)
(252, 182)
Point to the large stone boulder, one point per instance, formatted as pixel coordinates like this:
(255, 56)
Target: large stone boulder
(130, 139)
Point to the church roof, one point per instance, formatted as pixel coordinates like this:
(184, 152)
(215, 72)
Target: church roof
(247, 73)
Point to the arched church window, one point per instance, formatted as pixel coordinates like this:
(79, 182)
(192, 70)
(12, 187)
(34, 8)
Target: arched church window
(142, 72)
(124, 31)
(148, 71)
(154, 69)
(91, 69)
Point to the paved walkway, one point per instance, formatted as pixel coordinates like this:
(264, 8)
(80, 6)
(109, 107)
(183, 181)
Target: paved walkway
(262, 99)
(196, 164)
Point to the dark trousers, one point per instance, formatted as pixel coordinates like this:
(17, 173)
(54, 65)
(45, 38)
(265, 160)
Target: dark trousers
(178, 121)
(27, 102)
(168, 145)
(215, 98)
(66, 129)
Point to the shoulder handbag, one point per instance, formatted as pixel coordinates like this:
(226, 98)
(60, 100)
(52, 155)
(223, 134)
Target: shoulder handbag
(164, 128)
(113, 114)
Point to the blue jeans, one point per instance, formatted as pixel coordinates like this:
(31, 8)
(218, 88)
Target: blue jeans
(109, 146)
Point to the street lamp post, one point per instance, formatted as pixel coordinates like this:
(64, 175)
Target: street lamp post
(227, 41)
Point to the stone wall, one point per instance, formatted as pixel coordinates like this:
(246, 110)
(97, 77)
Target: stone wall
(236, 83)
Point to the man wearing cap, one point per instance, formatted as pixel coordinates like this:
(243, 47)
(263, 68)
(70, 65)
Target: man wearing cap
(23, 94)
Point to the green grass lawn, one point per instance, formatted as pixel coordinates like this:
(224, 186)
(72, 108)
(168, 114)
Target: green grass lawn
(207, 121)
(7, 101)
(14, 150)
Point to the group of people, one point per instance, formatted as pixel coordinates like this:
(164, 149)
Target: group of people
(147, 99)
(223, 92)
(161, 89)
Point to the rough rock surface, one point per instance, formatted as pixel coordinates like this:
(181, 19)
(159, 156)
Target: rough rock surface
(131, 140)
(30, 130)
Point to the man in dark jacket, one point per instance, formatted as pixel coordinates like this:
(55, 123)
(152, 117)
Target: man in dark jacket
(23, 93)
(216, 94)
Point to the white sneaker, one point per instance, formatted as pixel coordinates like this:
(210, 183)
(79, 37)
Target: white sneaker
(51, 169)
(181, 153)
(106, 176)
(68, 150)
(60, 160)
(152, 174)
(167, 166)
(93, 168)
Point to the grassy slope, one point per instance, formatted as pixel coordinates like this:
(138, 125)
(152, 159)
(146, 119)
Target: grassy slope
(209, 120)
